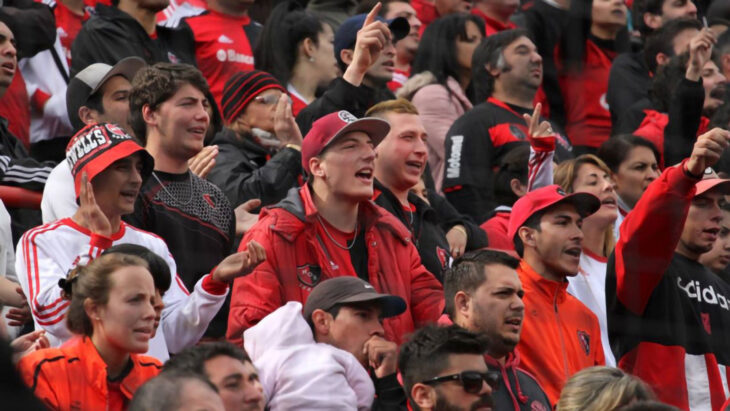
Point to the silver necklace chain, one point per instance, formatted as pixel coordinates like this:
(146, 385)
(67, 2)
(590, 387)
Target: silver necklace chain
(354, 238)
(172, 196)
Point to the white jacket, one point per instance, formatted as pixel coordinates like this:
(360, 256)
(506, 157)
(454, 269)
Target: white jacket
(298, 373)
(46, 253)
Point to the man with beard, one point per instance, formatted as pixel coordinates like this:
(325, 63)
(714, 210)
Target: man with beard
(560, 335)
(129, 29)
(506, 72)
(668, 314)
(484, 295)
(443, 369)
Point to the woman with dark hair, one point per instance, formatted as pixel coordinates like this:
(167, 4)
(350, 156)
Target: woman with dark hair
(633, 162)
(440, 79)
(111, 310)
(297, 48)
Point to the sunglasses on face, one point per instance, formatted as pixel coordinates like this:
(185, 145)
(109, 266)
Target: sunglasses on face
(470, 380)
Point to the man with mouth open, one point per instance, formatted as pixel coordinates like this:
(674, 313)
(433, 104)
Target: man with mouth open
(168, 112)
(668, 315)
(330, 228)
(484, 295)
(560, 335)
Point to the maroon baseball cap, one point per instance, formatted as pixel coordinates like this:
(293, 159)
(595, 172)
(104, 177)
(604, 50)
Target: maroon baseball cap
(329, 128)
(542, 198)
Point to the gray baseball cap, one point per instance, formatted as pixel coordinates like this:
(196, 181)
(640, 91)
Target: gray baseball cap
(89, 80)
(344, 290)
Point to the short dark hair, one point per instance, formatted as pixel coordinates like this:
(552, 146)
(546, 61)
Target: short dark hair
(490, 52)
(153, 85)
(614, 151)
(648, 405)
(437, 48)
(513, 165)
(164, 391)
(192, 359)
(157, 265)
(646, 6)
(662, 40)
(723, 43)
(426, 353)
(468, 273)
(94, 102)
(532, 222)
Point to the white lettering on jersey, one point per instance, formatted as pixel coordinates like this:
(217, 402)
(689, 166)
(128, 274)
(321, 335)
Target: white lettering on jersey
(233, 57)
(454, 160)
(696, 291)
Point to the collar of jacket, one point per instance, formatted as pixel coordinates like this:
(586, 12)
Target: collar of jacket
(554, 291)
(119, 16)
(245, 144)
(94, 368)
(302, 214)
(423, 209)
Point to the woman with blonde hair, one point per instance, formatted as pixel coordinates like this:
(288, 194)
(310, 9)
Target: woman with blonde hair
(111, 310)
(602, 389)
(588, 173)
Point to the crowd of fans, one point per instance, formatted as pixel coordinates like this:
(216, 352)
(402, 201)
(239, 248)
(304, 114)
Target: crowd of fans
(353, 205)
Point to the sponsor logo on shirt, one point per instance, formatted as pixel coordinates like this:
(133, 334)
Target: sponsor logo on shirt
(225, 39)
(232, 56)
(454, 160)
(708, 295)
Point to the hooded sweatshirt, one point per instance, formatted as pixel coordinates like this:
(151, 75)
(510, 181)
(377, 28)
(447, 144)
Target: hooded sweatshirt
(298, 373)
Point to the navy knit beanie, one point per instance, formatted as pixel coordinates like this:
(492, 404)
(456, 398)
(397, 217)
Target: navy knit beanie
(241, 88)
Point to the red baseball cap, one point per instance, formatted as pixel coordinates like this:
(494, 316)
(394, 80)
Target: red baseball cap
(708, 184)
(542, 198)
(329, 128)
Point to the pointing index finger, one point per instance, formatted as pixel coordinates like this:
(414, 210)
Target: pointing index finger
(373, 13)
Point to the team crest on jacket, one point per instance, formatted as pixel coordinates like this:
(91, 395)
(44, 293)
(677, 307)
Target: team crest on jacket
(538, 406)
(309, 275)
(585, 341)
(706, 322)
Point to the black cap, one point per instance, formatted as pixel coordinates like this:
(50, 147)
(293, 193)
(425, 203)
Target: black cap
(344, 290)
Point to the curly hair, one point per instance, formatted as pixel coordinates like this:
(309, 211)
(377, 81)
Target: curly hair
(153, 85)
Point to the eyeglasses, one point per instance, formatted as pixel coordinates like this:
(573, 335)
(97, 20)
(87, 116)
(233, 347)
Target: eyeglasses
(268, 99)
(470, 380)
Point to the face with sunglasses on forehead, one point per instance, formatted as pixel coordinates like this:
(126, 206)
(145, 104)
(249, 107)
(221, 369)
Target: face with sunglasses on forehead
(443, 369)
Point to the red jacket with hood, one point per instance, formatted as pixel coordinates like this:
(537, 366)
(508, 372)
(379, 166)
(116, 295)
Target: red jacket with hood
(297, 259)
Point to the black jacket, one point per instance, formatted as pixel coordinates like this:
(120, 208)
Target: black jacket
(111, 35)
(628, 82)
(341, 95)
(518, 390)
(429, 227)
(244, 170)
(474, 145)
(32, 23)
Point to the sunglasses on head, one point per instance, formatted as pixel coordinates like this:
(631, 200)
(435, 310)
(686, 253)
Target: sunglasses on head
(470, 380)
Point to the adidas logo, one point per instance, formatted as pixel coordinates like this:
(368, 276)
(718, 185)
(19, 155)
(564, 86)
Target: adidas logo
(224, 39)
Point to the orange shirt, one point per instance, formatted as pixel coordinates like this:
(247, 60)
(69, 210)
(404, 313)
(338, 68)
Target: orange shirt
(73, 377)
(560, 336)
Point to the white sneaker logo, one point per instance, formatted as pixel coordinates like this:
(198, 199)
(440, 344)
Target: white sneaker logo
(224, 39)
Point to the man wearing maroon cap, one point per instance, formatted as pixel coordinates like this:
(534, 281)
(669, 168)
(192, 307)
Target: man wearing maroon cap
(560, 336)
(330, 228)
(668, 315)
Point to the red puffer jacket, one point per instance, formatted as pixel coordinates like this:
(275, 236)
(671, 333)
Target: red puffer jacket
(297, 259)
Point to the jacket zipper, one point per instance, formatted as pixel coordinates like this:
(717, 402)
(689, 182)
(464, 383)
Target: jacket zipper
(562, 339)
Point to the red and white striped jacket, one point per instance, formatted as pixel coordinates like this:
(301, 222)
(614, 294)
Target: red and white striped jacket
(46, 253)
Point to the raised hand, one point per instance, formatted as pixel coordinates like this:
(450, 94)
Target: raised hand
(700, 51)
(371, 40)
(241, 263)
(245, 219)
(204, 161)
(285, 128)
(91, 215)
(707, 150)
(382, 355)
(540, 134)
